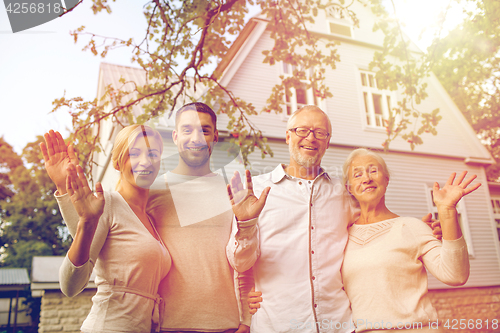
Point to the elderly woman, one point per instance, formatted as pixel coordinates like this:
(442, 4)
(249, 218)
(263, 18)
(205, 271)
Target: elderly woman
(385, 262)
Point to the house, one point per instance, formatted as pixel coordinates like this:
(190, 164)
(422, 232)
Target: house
(357, 111)
(58, 313)
(14, 288)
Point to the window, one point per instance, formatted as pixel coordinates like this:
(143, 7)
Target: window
(495, 202)
(462, 218)
(299, 97)
(377, 102)
(339, 22)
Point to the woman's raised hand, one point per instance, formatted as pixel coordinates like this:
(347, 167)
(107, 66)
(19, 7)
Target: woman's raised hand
(88, 206)
(453, 190)
(57, 158)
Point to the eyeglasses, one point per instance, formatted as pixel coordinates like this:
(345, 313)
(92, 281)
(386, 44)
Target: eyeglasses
(303, 132)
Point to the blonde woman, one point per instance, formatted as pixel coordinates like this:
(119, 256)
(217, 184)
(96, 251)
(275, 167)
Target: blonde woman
(114, 235)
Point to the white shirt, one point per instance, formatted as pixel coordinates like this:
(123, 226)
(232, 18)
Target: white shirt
(296, 247)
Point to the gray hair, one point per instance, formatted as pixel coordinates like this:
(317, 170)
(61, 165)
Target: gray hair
(362, 152)
(291, 120)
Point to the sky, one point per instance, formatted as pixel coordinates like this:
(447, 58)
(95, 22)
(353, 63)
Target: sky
(43, 63)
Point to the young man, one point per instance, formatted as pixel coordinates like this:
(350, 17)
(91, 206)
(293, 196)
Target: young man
(193, 216)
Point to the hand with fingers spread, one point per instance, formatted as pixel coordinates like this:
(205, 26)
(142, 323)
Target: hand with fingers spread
(57, 158)
(254, 299)
(454, 190)
(88, 206)
(446, 200)
(246, 205)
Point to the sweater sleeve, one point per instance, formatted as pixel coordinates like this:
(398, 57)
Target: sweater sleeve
(447, 261)
(68, 212)
(73, 279)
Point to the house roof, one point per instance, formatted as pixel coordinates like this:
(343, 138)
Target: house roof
(472, 152)
(46, 269)
(14, 276)
(110, 74)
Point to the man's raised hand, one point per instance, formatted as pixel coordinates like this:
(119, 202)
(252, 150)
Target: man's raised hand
(246, 205)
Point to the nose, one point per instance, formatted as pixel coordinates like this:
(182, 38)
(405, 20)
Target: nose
(310, 136)
(145, 159)
(366, 177)
(198, 137)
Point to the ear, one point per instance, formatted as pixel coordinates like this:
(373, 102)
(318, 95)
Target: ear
(174, 137)
(287, 140)
(216, 136)
(348, 188)
(328, 143)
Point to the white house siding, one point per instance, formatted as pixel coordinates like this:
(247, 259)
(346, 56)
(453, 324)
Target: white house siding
(406, 196)
(253, 83)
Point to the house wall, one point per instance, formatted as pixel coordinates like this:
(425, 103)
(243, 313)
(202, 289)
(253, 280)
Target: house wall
(61, 314)
(406, 196)
(478, 306)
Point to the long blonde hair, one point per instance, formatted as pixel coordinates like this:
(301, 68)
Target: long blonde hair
(125, 139)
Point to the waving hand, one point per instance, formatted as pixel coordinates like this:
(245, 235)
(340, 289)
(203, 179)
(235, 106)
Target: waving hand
(246, 205)
(57, 158)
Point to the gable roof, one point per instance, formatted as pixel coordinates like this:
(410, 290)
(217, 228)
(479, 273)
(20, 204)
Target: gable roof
(455, 139)
(110, 74)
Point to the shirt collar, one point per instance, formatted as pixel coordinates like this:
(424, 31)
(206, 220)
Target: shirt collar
(279, 173)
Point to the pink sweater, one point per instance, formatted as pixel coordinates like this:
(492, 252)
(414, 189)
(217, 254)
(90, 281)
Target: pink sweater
(384, 272)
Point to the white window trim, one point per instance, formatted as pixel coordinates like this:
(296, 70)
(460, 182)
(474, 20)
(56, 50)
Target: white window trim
(496, 212)
(367, 93)
(293, 100)
(332, 17)
(464, 225)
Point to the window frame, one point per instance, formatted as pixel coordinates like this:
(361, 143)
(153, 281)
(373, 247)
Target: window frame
(369, 88)
(462, 217)
(496, 212)
(293, 104)
(334, 16)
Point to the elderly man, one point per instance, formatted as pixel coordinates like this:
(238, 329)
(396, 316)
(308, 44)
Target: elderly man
(296, 245)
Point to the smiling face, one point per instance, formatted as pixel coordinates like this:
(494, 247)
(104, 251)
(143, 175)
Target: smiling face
(307, 152)
(194, 136)
(367, 181)
(143, 162)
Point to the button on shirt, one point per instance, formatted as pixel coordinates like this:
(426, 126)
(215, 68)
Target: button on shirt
(296, 247)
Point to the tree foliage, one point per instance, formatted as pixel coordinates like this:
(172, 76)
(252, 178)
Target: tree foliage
(31, 224)
(184, 38)
(467, 62)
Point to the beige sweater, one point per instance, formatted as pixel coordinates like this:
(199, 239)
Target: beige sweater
(194, 218)
(129, 264)
(384, 274)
